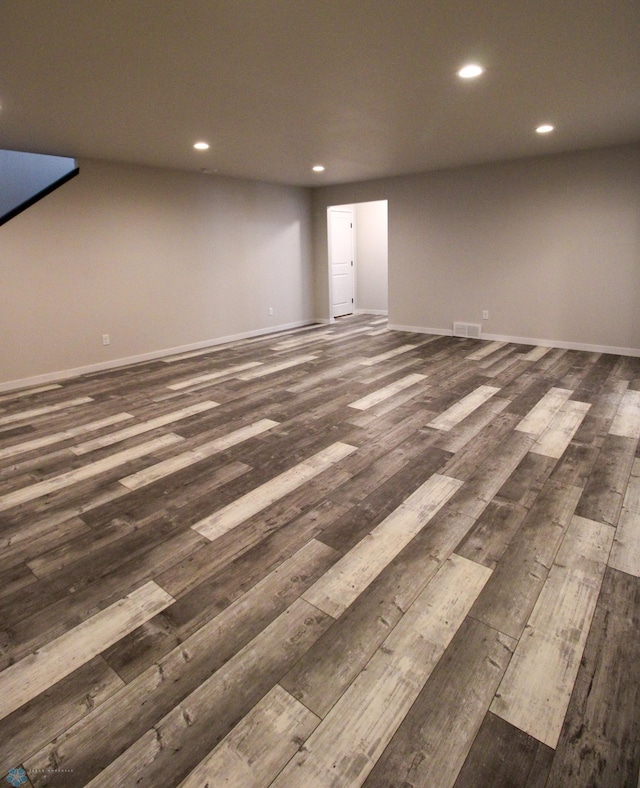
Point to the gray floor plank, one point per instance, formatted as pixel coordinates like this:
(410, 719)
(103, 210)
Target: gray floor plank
(431, 744)
(513, 589)
(503, 756)
(103, 476)
(600, 741)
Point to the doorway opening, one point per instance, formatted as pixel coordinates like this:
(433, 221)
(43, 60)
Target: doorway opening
(358, 258)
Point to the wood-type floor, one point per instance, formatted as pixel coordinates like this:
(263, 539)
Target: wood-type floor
(334, 556)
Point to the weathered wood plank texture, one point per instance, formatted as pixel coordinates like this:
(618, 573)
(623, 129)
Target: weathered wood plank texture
(333, 555)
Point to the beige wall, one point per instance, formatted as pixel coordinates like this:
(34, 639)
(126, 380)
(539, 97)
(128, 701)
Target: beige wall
(371, 256)
(157, 259)
(550, 246)
(161, 259)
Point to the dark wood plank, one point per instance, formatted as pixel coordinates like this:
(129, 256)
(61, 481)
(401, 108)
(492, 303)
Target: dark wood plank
(511, 592)
(167, 691)
(466, 461)
(210, 597)
(490, 475)
(604, 491)
(504, 757)
(576, 464)
(211, 711)
(600, 740)
(31, 727)
(156, 691)
(527, 480)
(432, 742)
(330, 666)
(492, 533)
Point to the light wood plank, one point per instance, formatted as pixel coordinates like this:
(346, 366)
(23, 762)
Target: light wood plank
(195, 354)
(55, 710)
(89, 471)
(223, 346)
(370, 362)
(559, 434)
(535, 692)
(510, 595)
(490, 442)
(539, 417)
(184, 460)
(211, 376)
(314, 380)
(331, 665)
(485, 350)
(169, 751)
(459, 435)
(271, 369)
(494, 467)
(227, 518)
(142, 427)
(600, 740)
(22, 681)
(191, 660)
(498, 361)
(370, 416)
(296, 342)
(463, 408)
(537, 353)
(337, 589)
(386, 392)
(430, 746)
(69, 554)
(345, 746)
(627, 420)
(625, 553)
(326, 336)
(259, 746)
(27, 415)
(631, 500)
(57, 437)
(21, 393)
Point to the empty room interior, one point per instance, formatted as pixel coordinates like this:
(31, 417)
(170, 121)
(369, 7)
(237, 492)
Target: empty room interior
(319, 393)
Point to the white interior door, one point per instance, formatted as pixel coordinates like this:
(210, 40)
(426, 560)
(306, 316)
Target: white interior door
(341, 261)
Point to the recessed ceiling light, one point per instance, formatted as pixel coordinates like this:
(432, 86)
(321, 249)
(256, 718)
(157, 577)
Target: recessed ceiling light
(318, 168)
(545, 128)
(201, 146)
(470, 71)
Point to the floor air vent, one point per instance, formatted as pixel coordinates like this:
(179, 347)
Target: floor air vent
(466, 330)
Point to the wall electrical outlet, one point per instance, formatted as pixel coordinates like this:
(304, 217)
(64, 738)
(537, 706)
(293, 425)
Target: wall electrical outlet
(270, 310)
(485, 314)
(106, 339)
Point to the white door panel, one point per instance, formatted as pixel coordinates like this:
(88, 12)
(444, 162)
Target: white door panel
(341, 261)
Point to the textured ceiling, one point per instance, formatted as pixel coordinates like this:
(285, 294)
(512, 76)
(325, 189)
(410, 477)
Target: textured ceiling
(366, 87)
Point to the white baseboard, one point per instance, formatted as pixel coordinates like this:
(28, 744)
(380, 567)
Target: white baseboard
(123, 362)
(152, 356)
(446, 332)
